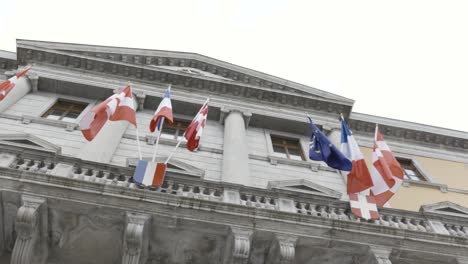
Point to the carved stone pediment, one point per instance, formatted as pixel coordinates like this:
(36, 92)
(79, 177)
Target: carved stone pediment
(29, 141)
(181, 69)
(447, 208)
(304, 186)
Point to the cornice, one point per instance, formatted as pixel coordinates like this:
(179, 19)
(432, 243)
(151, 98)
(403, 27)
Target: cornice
(401, 131)
(8, 60)
(135, 69)
(185, 59)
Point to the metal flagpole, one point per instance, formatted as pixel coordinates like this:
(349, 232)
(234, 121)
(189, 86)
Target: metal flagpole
(138, 143)
(157, 139)
(173, 151)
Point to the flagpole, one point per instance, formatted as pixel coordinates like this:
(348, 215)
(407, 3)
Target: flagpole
(157, 139)
(138, 143)
(173, 151)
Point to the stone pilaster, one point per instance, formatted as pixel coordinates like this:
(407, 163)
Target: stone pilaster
(283, 250)
(235, 152)
(381, 254)
(103, 146)
(238, 246)
(31, 244)
(23, 87)
(136, 239)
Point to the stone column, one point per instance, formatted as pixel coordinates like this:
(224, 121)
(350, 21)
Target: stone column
(23, 87)
(238, 246)
(283, 250)
(136, 239)
(31, 245)
(381, 254)
(103, 146)
(334, 134)
(235, 151)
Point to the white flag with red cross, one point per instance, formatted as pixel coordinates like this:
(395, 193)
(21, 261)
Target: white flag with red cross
(363, 206)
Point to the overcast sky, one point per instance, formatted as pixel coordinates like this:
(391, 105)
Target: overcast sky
(403, 59)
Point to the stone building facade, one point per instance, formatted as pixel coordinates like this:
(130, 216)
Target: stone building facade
(248, 195)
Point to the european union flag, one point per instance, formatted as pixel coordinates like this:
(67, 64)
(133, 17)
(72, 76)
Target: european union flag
(321, 149)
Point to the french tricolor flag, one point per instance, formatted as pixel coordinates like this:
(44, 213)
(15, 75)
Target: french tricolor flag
(359, 178)
(164, 111)
(150, 173)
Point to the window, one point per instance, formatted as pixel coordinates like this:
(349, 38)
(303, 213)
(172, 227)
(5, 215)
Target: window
(65, 110)
(411, 172)
(287, 148)
(175, 130)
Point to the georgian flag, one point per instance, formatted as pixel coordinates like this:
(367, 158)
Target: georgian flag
(164, 110)
(8, 85)
(194, 131)
(358, 179)
(117, 107)
(363, 206)
(386, 172)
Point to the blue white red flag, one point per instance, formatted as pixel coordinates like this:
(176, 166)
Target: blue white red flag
(149, 173)
(321, 149)
(164, 110)
(358, 179)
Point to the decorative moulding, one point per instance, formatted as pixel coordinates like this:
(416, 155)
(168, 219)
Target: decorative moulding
(304, 186)
(446, 208)
(29, 141)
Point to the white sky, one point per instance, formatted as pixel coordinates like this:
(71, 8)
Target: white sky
(403, 59)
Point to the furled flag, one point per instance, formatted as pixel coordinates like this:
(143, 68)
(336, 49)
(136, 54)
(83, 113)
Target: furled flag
(359, 178)
(117, 107)
(164, 110)
(386, 172)
(150, 173)
(9, 84)
(321, 149)
(363, 206)
(194, 131)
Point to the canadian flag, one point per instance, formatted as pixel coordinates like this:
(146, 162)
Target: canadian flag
(117, 107)
(359, 178)
(386, 172)
(194, 131)
(9, 84)
(363, 206)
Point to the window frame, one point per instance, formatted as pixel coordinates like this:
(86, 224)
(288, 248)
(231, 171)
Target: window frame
(91, 103)
(66, 110)
(173, 136)
(426, 177)
(274, 157)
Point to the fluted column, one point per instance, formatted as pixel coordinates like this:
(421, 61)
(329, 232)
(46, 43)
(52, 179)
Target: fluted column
(235, 151)
(23, 87)
(103, 146)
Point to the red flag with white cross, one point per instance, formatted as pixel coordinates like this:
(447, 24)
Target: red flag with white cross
(363, 206)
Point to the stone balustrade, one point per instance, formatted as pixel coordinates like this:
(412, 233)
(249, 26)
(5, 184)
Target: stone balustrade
(194, 188)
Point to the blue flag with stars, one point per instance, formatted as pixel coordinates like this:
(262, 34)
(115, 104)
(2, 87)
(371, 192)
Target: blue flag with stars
(321, 149)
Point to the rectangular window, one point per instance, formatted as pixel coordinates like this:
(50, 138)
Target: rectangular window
(289, 148)
(175, 130)
(411, 172)
(65, 110)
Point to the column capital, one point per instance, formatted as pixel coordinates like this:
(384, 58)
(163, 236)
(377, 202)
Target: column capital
(136, 239)
(34, 81)
(225, 111)
(381, 254)
(283, 250)
(140, 98)
(240, 243)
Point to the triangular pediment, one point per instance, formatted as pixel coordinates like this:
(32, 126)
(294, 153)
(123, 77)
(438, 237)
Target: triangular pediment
(448, 208)
(304, 186)
(28, 141)
(181, 63)
(174, 165)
